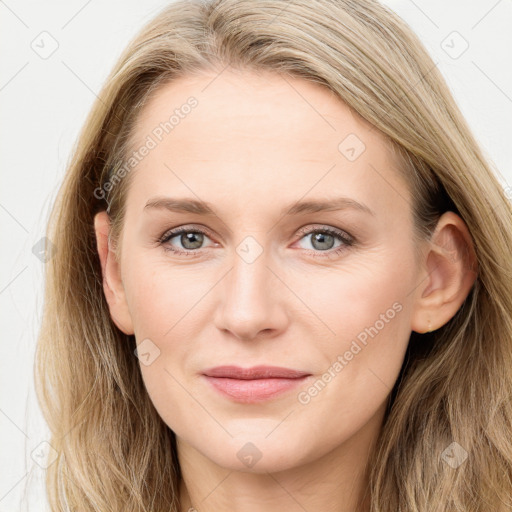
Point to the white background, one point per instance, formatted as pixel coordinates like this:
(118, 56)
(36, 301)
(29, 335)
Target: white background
(44, 103)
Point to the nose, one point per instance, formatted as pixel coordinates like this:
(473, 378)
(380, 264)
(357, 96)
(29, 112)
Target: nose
(251, 300)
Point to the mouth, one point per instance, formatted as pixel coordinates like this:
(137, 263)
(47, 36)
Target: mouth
(255, 384)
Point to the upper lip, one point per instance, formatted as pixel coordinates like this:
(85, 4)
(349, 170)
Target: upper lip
(255, 372)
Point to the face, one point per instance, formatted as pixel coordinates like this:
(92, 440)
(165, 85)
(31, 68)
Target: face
(267, 275)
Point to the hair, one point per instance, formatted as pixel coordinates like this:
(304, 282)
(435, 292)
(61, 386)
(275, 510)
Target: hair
(455, 385)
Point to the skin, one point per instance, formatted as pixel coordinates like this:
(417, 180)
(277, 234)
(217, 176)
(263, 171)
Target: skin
(255, 144)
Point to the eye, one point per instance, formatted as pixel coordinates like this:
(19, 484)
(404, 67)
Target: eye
(189, 238)
(323, 240)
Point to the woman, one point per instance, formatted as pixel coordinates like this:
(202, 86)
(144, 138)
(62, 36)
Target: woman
(240, 153)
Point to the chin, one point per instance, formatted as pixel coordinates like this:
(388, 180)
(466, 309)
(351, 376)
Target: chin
(257, 454)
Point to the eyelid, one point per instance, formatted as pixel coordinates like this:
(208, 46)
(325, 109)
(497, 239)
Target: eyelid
(187, 228)
(304, 230)
(308, 230)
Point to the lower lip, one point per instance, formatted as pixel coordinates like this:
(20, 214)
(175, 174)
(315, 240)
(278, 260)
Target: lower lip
(253, 390)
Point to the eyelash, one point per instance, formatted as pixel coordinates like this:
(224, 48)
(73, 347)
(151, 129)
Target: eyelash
(348, 240)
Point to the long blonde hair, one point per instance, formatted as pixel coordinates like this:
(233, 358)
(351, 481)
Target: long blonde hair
(114, 451)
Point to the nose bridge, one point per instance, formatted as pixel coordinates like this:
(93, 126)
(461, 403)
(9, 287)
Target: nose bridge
(249, 299)
(249, 276)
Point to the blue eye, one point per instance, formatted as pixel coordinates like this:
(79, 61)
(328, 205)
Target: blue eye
(322, 239)
(326, 236)
(190, 239)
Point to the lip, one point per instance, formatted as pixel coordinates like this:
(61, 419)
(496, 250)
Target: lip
(255, 372)
(255, 384)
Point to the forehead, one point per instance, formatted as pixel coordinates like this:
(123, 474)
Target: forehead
(255, 133)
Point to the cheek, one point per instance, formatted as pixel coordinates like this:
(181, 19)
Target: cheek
(167, 307)
(368, 310)
(162, 296)
(373, 289)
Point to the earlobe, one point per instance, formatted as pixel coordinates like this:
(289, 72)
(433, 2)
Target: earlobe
(449, 272)
(112, 283)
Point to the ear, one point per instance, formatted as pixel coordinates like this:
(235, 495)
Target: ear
(110, 268)
(449, 271)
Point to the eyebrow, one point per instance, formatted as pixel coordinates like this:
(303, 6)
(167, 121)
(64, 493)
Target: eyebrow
(313, 206)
